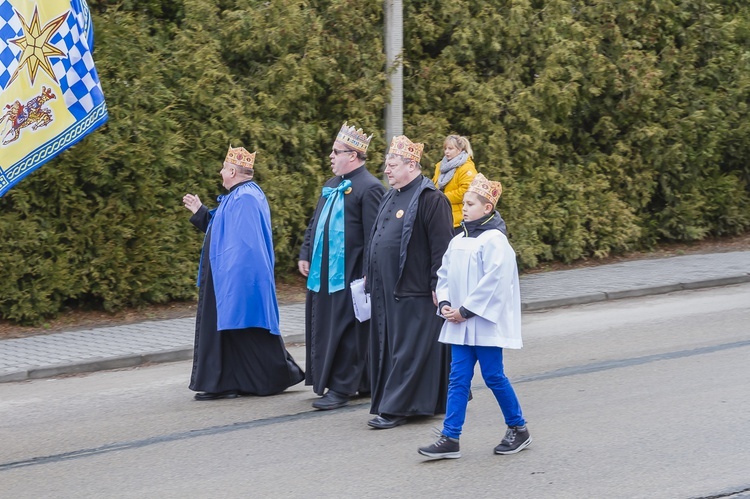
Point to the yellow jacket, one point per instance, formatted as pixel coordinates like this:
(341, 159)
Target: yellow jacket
(458, 185)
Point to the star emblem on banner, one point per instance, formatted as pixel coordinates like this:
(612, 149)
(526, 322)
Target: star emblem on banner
(36, 46)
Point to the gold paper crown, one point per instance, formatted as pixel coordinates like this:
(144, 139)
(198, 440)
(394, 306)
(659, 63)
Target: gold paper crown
(402, 146)
(239, 156)
(356, 139)
(486, 188)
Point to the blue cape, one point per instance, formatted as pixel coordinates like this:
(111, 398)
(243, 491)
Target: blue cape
(242, 261)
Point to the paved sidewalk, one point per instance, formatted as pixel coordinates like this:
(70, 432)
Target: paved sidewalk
(170, 340)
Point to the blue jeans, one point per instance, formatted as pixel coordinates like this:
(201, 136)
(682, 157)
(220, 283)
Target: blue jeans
(464, 357)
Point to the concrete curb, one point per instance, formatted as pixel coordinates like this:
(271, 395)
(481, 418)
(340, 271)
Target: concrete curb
(101, 364)
(186, 353)
(632, 293)
(563, 302)
(294, 338)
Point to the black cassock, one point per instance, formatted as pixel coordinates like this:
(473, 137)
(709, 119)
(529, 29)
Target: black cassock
(336, 343)
(409, 366)
(252, 361)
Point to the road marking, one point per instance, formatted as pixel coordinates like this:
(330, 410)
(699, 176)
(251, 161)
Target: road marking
(245, 425)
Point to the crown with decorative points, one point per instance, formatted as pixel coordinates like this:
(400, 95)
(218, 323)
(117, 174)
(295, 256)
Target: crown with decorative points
(239, 156)
(486, 188)
(356, 139)
(402, 146)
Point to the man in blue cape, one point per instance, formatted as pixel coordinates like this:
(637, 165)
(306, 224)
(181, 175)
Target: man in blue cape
(238, 346)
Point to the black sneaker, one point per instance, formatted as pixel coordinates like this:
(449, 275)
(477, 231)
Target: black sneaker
(515, 440)
(444, 448)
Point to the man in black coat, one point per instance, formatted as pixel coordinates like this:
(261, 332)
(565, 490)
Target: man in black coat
(409, 367)
(331, 257)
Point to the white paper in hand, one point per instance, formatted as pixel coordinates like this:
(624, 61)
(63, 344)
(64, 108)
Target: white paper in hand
(360, 300)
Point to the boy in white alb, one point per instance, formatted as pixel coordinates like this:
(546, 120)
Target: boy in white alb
(478, 294)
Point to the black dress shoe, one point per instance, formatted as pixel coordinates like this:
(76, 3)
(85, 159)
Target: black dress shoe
(231, 394)
(386, 422)
(331, 400)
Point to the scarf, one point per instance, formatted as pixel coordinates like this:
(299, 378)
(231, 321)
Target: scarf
(490, 221)
(336, 269)
(448, 168)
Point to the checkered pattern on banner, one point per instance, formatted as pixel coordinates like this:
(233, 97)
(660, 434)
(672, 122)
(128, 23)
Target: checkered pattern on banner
(10, 53)
(76, 73)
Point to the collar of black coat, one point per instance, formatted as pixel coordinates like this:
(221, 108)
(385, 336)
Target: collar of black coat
(475, 227)
(354, 173)
(237, 185)
(411, 184)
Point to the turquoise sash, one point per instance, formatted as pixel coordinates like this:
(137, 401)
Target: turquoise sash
(336, 269)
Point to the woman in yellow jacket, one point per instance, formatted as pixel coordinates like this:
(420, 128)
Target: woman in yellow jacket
(454, 174)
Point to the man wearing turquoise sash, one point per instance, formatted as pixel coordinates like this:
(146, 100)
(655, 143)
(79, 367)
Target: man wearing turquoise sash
(332, 257)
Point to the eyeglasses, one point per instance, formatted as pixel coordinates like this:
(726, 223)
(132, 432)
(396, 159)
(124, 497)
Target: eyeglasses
(336, 152)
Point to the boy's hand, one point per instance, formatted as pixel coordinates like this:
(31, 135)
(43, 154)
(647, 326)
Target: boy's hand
(452, 315)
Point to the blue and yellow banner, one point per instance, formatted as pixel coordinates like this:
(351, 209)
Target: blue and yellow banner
(50, 95)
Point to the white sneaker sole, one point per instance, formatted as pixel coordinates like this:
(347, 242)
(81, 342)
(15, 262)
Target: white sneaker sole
(516, 450)
(443, 455)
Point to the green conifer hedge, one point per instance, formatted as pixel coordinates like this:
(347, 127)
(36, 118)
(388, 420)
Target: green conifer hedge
(612, 125)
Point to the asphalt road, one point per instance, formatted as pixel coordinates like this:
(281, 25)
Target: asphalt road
(646, 397)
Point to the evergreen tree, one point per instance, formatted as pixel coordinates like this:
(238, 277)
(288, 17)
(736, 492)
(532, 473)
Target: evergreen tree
(613, 126)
